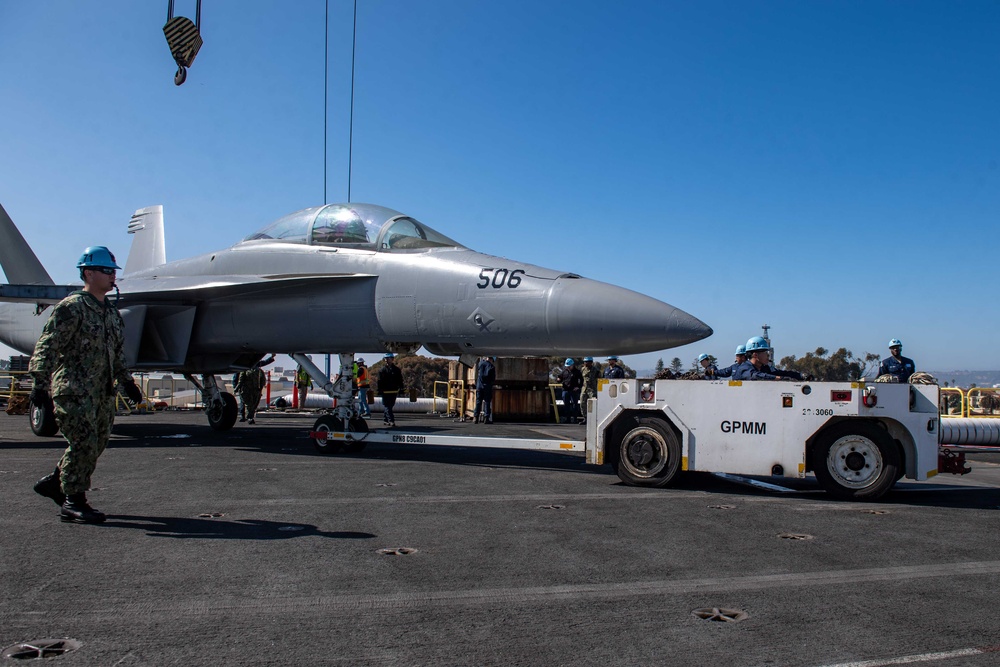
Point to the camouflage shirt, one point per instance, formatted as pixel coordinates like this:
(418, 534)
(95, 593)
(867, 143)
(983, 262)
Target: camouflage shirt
(81, 351)
(251, 382)
(590, 377)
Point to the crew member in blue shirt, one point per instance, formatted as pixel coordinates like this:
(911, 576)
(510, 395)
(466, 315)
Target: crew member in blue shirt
(756, 367)
(613, 371)
(897, 365)
(707, 366)
(741, 356)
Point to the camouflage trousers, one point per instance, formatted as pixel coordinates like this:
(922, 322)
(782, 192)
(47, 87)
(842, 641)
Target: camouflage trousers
(250, 400)
(86, 425)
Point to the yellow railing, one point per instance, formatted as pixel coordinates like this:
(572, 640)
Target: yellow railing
(553, 387)
(454, 398)
(951, 402)
(977, 402)
(982, 402)
(19, 383)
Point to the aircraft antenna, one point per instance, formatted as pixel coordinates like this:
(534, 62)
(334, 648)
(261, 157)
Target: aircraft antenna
(350, 134)
(326, 102)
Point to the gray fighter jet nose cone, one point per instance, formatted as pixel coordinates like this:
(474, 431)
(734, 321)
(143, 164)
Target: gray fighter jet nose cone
(598, 318)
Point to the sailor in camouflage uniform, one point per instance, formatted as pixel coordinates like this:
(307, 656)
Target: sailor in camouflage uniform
(591, 373)
(76, 363)
(250, 385)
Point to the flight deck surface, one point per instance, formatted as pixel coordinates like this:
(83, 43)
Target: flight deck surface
(250, 548)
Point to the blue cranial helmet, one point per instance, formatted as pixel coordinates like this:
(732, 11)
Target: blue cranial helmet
(389, 355)
(97, 257)
(588, 358)
(569, 362)
(741, 349)
(702, 357)
(756, 343)
(895, 342)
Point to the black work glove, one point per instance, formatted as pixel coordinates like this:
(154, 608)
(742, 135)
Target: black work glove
(40, 398)
(132, 391)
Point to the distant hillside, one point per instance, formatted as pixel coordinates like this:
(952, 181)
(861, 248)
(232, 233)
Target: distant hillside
(967, 378)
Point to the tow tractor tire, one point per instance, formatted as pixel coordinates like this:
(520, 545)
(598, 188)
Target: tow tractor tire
(43, 420)
(649, 454)
(222, 418)
(331, 424)
(856, 460)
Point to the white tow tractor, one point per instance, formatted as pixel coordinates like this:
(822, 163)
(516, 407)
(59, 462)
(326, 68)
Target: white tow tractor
(857, 438)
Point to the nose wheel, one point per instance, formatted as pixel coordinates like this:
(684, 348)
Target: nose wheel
(335, 435)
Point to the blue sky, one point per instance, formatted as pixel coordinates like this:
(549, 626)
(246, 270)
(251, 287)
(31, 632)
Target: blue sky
(829, 168)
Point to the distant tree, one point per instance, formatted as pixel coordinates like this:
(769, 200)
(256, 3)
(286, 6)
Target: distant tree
(659, 364)
(842, 365)
(419, 373)
(676, 365)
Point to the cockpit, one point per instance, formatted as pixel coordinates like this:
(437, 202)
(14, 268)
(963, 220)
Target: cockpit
(362, 226)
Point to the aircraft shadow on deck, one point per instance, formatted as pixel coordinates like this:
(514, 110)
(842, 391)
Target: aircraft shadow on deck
(225, 529)
(905, 493)
(293, 440)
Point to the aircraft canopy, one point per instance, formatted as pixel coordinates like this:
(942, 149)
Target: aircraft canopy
(353, 226)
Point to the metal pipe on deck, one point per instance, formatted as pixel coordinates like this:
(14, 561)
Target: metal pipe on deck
(969, 431)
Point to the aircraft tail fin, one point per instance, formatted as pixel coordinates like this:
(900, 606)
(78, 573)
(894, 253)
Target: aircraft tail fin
(148, 245)
(18, 261)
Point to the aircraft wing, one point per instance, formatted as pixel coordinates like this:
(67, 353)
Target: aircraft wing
(174, 289)
(193, 289)
(37, 294)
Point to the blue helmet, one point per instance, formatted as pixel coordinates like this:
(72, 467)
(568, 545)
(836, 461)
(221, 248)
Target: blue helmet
(361, 360)
(588, 358)
(388, 355)
(741, 349)
(612, 358)
(895, 342)
(569, 362)
(756, 343)
(702, 357)
(97, 256)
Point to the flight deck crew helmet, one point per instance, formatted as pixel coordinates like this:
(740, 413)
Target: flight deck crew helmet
(895, 343)
(741, 349)
(97, 257)
(569, 362)
(756, 343)
(361, 361)
(702, 357)
(588, 358)
(612, 358)
(389, 355)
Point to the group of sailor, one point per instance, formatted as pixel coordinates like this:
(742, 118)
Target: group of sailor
(753, 362)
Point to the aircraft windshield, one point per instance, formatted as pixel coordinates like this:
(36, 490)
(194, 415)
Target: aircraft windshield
(408, 234)
(353, 226)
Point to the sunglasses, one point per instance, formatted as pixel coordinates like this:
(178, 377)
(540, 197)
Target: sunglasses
(105, 270)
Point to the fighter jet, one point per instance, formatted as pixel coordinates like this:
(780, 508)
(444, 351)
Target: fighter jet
(335, 279)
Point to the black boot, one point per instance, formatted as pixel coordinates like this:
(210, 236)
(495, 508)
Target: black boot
(76, 509)
(49, 487)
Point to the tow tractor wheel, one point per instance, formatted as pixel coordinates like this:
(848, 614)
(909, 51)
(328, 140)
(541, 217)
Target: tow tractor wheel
(329, 424)
(856, 461)
(223, 417)
(43, 420)
(648, 455)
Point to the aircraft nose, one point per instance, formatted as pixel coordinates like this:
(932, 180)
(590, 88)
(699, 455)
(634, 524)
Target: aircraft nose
(591, 317)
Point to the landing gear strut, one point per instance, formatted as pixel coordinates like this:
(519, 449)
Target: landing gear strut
(220, 407)
(335, 432)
